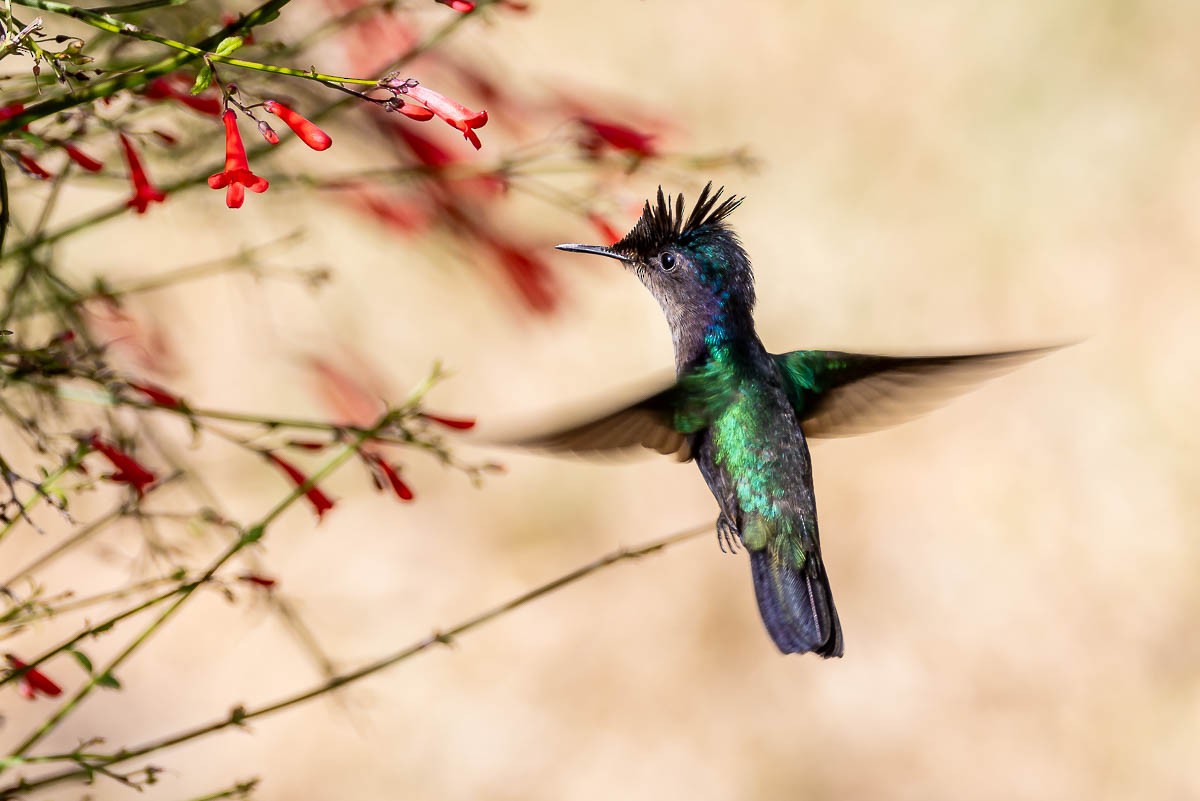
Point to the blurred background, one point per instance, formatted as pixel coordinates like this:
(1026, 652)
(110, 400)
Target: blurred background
(1015, 572)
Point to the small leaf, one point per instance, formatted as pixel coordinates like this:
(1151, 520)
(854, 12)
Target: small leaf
(107, 679)
(229, 45)
(82, 659)
(204, 79)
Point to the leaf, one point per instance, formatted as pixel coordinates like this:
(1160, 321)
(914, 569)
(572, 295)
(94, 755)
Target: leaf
(107, 679)
(204, 79)
(229, 45)
(82, 659)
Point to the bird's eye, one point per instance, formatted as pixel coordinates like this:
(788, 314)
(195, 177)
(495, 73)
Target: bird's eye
(667, 260)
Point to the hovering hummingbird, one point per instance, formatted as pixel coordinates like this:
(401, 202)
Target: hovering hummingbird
(743, 414)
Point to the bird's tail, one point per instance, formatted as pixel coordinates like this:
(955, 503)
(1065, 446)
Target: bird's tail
(796, 604)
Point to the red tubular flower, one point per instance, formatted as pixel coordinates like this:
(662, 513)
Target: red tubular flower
(618, 137)
(266, 582)
(129, 470)
(460, 424)
(378, 466)
(236, 175)
(307, 132)
(157, 395)
(144, 192)
(321, 502)
(454, 113)
(461, 6)
(82, 159)
(33, 168)
(33, 681)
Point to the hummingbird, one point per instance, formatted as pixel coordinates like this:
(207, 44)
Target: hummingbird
(744, 414)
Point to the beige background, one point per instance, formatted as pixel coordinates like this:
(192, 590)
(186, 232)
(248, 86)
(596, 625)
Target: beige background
(1015, 573)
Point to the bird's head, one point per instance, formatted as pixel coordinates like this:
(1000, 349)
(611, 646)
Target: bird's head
(694, 266)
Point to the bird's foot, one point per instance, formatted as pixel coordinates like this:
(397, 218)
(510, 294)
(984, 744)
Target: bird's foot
(728, 538)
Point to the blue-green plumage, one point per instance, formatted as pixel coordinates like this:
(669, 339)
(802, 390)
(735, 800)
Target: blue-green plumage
(743, 413)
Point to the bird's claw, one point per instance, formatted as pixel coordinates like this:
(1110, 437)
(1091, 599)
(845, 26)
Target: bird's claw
(728, 538)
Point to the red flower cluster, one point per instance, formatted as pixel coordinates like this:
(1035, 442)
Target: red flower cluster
(128, 470)
(33, 681)
(236, 178)
(451, 111)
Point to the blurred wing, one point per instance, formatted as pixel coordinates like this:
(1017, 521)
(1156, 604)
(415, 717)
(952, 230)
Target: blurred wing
(646, 423)
(842, 394)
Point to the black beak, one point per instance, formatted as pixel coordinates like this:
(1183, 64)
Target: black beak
(595, 250)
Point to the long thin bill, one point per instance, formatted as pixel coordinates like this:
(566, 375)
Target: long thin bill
(595, 250)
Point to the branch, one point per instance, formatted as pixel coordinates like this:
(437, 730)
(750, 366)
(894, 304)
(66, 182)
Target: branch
(240, 715)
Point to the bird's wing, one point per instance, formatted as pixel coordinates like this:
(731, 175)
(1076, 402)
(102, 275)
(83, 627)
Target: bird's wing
(646, 423)
(842, 394)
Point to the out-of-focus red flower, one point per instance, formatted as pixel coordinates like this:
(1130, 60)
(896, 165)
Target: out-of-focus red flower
(32, 168)
(129, 470)
(266, 582)
(142, 341)
(307, 444)
(423, 148)
(461, 6)
(321, 502)
(177, 87)
(458, 423)
(602, 133)
(531, 275)
(402, 214)
(144, 192)
(82, 159)
(604, 227)
(451, 111)
(305, 129)
(33, 681)
(386, 475)
(157, 395)
(228, 18)
(11, 110)
(236, 175)
(373, 42)
(346, 396)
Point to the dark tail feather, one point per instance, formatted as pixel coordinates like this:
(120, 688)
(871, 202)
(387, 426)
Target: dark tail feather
(796, 605)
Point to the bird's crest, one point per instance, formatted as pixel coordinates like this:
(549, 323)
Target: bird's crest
(664, 224)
